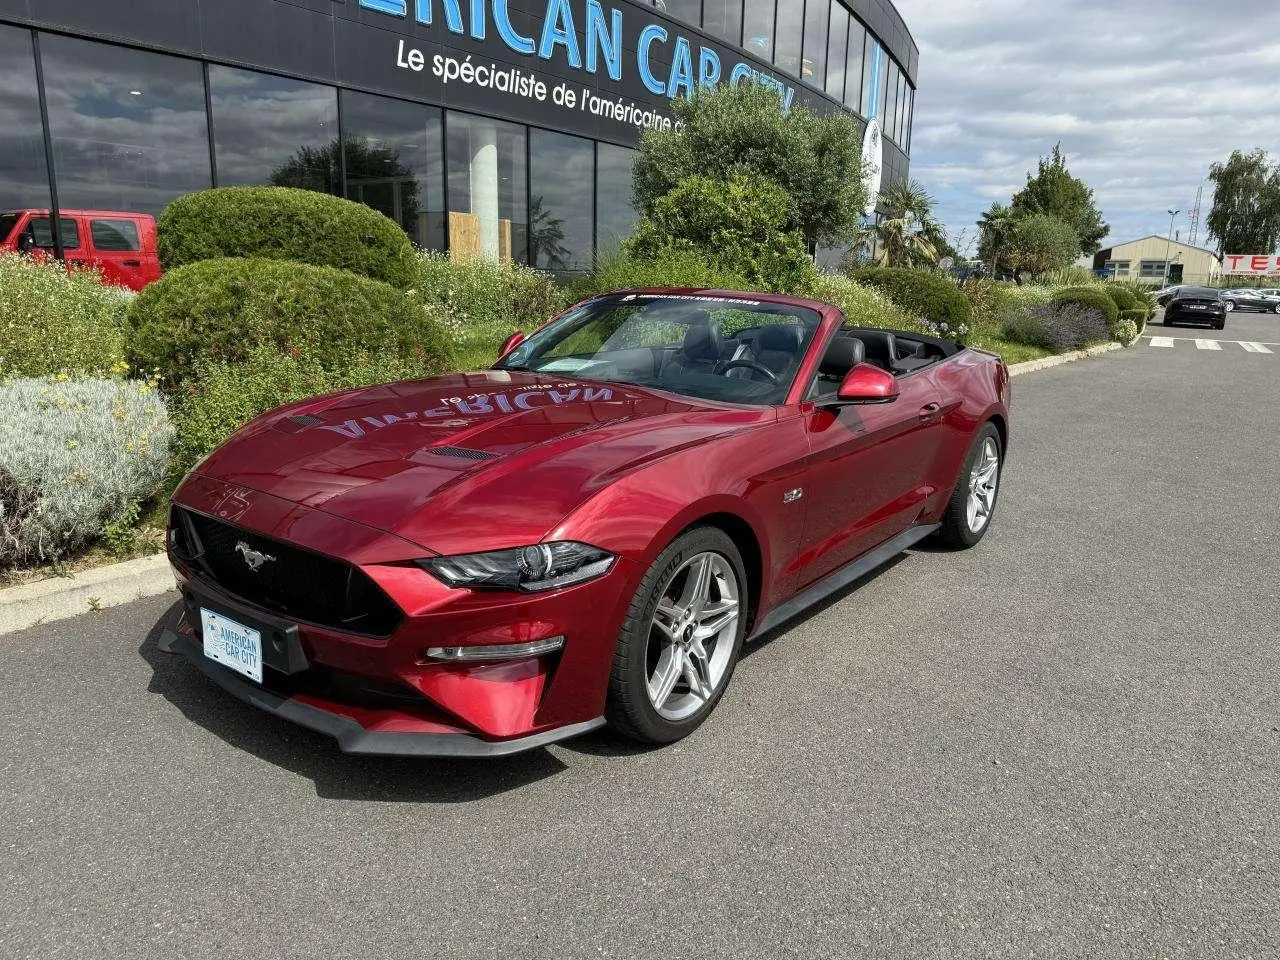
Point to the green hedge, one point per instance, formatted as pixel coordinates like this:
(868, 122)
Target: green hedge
(862, 306)
(280, 223)
(672, 268)
(52, 321)
(929, 295)
(221, 310)
(1093, 298)
(1123, 297)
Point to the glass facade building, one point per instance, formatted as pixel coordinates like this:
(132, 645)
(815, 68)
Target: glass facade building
(501, 127)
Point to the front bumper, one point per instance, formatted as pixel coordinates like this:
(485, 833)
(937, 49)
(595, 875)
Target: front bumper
(351, 736)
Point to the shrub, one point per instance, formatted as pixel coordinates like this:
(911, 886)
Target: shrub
(221, 310)
(1122, 297)
(52, 321)
(741, 224)
(1072, 275)
(1143, 295)
(222, 396)
(476, 292)
(1056, 326)
(671, 268)
(1091, 298)
(75, 455)
(862, 306)
(1125, 330)
(281, 223)
(931, 296)
(1038, 243)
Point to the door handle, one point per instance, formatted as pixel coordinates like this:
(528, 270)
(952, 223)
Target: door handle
(132, 263)
(929, 411)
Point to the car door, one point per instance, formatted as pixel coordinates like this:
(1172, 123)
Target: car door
(868, 472)
(117, 250)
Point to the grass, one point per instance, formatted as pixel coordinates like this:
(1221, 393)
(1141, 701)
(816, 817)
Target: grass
(1010, 351)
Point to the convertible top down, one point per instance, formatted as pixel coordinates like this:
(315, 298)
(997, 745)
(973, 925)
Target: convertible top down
(585, 533)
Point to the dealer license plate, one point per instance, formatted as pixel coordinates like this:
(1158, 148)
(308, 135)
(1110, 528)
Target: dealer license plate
(232, 644)
(1196, 306)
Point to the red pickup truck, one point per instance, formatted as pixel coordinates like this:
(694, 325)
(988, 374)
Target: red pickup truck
(121, 245)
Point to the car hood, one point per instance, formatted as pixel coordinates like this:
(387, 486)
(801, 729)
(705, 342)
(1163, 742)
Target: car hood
(469, 461)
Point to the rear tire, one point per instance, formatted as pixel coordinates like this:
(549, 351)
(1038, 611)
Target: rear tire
(973, 502)
(674, 627)
(1167, 321)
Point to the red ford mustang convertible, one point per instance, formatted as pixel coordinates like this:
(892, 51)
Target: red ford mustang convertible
(584, 534)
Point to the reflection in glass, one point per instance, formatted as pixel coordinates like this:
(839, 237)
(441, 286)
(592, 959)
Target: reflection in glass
(853, 66)
(269, 130)
(723, 19)
(882, 86)
(911, 109)
(24, 177)
(870, 49)
(687, 10)
(394, 153)
(128, 127)
(561, 201)
(615, 211)
(837, 39)
(788, 31)
(487, 197)
(813, 66)
(890, 115)
(757, 27)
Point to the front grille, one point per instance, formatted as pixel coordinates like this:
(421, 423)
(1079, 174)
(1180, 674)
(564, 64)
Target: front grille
(296, 583)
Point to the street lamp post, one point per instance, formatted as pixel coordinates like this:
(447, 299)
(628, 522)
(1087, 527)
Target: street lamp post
(1168, 243)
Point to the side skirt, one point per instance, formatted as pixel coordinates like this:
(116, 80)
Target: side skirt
(839, 579)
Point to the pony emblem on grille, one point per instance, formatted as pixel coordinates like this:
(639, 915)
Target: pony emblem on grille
(254, 559)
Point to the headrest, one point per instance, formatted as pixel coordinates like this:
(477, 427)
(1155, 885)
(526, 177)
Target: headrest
(785, 337)
(842, 355)
(702, 341)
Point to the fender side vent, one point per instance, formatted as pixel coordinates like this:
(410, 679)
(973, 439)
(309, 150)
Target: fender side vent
(463, 453)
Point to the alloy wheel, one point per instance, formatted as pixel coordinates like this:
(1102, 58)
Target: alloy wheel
(691, 638)
(983, 481)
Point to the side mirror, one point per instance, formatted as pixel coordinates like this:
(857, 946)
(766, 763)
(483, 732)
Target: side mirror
(866, 383)
(511, 343)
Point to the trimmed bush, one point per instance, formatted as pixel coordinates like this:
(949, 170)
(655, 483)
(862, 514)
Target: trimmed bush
(75, 456)
(1143, 295)
(1122, 297)
(672, 268)
(862, 306)
(478, 293)
(1056, 326)
(52, 321)
(740, 224)
(1125, 330)
(222, 310)
(1091, 298)
(931, 296)
(222, 397)
(282, 223)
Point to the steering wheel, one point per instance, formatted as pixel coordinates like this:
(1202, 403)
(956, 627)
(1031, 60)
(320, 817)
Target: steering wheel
(753, 365)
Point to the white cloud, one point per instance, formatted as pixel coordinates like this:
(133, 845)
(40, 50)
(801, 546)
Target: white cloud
(1143, 97)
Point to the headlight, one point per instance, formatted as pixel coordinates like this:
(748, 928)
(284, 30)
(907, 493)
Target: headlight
(544, 566)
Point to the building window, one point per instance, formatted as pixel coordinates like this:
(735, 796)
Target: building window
(393, 153)
(837, 44)
(882, 86)
(1119, 268)
(1152, 269)
(561, 211)
(813, 65)
(487, 193)
(869, 56)
(615, 208)
(271, 131)
(723, 19)
(889, 118)
(24, 176)
(757, 27)
(788, 35)
(910, 119)
(690, 11)
(129, 128)
(853, 65)
(900, 127)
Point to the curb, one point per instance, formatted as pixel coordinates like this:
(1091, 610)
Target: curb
(60, 598)
(1030, 366)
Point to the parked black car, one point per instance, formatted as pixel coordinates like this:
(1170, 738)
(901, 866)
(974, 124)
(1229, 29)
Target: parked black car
(1196, 305)
(1263, 301)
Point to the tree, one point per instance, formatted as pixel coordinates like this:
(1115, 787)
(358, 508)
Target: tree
(993, 231)
(546, 238)
(319, 168)
(908, 236)
(1039, 242)
(744, 130)
(1245, 217)
(740, 225)
(1054, 191)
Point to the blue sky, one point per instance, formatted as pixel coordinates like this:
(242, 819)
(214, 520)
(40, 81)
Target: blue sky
(1143, 95)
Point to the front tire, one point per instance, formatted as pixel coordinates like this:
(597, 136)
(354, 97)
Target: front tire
(1168, 322)
(681, 639)
(973, 502)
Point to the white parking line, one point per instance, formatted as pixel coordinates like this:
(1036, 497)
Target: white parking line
(1162, 341)
(1208, 345)
(1254, 347)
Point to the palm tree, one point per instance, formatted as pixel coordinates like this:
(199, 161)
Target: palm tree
(993, 230)
(907, 237)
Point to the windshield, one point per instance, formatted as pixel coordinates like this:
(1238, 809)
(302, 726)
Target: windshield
(1199, 292)
(735, 350)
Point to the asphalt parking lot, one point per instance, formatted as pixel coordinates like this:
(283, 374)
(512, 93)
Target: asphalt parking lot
(1061, 744)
